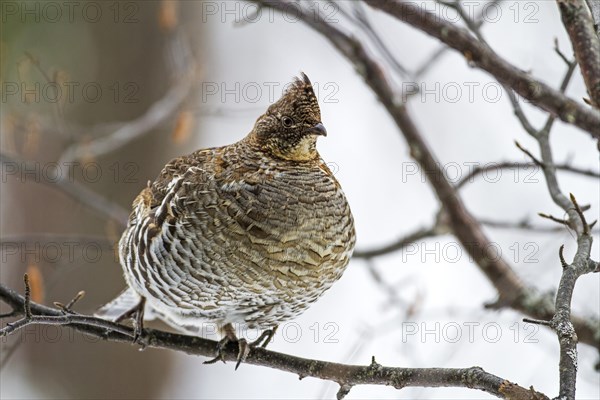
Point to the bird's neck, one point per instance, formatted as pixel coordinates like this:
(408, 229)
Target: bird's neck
(304, 150)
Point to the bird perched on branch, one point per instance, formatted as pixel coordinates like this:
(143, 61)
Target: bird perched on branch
(250, 233)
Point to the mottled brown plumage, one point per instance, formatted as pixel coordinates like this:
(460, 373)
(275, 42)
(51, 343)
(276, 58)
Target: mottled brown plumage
(251, 233)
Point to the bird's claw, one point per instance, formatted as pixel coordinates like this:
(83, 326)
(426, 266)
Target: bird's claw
(137, 315)
(220, 346)
(243, 351)
(264, 339)
(244, 347)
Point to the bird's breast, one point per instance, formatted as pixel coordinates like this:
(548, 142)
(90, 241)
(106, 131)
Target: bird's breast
(292, 221)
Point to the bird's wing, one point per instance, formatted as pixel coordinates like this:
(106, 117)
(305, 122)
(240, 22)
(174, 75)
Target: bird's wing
(178, 168)
(155, 199)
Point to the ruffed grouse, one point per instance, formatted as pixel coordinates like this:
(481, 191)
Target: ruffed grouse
(249, 233)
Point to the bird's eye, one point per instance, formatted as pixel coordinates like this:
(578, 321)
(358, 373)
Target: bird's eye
(287, 122)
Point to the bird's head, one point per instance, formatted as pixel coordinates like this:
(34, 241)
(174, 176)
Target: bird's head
(290, 127)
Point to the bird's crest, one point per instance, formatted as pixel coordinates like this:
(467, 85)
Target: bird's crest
(290, 127)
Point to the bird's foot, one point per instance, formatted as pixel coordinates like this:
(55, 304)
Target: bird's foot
(265, 338)
(137, 315)
(243, 351)
(244, 347)
(230, 337)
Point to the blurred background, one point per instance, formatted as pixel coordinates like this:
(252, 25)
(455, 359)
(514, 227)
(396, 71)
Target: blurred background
(98, 96)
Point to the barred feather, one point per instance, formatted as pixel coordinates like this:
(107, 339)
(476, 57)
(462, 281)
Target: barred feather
(250, 233)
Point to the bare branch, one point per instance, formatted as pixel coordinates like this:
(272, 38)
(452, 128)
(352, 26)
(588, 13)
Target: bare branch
(440, 229)
(68, 307)
(586, 45)
(480, 55)
(594, 266)
(76, 190)
(53, 81)
(346, 375)
(518, 110)
(363, 22)
(586, 227)
(538, 322)
(561, 54)
(552, 218)
(561, 256)
(399, 244)
(156, 114)
(524, 150)
(344, 390)
(552, 182)
(430, 62)
(562, 322)
(476, 24)
(520, 114)
(27, 302)
(524, 225)
(547, 162)
(594, 6)
(512, 165)
(159, 112)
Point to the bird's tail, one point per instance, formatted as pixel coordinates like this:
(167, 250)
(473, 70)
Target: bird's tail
(123, 304)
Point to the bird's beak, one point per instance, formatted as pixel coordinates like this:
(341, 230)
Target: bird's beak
(318, 129)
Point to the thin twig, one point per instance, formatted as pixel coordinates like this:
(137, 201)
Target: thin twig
(68, 308)
(562, 55)
(594, 6)
(528, 153)
(343, 391)
(538, 322)
(561, 256)
(399, 244)
(52, 82)
(27, 302)
(586, 227)
(524, 225)
(363, 22)
(520, 114)
(552, 218)
(441, 50)
(516, 165)
(74, 189)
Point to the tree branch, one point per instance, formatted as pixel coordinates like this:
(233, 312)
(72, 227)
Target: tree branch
(345, 375)
(156, 114)
(72, 188)
(512, 165)
(399, 244)
(561, 321)
(438, 229)
(594, 6)
(482, 56)
(586, 45)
